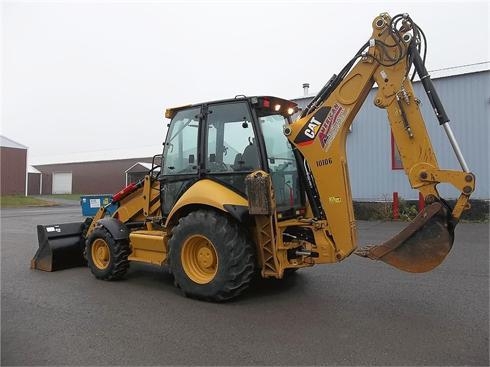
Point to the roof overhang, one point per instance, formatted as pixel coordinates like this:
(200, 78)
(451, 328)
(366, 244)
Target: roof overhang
(145, 167)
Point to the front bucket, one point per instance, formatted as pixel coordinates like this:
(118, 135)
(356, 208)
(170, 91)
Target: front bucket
(421, 246)
(60, 247)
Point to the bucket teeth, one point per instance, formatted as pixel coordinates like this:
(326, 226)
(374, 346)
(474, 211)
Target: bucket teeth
(421, 246)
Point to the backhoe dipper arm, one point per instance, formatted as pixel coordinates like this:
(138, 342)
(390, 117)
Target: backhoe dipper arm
(319, 137)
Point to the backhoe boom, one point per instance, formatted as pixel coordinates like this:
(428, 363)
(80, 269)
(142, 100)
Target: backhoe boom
(319, 137)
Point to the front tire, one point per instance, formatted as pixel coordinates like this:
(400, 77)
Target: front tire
(107, 258)
(211, 257)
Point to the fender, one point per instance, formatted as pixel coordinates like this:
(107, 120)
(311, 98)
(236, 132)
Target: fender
(210, 193)
(115, 227)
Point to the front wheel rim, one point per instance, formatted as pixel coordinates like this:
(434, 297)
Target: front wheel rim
(101, 255)
(199, 259)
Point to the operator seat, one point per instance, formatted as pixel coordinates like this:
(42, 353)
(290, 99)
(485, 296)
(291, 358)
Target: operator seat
(250, 158)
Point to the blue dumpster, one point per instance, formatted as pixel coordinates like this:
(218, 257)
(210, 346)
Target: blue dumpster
(91, 204)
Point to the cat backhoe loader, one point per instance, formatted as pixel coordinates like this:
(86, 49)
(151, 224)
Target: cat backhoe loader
(244, 188)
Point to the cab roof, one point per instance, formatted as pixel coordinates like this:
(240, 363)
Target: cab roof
(255, 100)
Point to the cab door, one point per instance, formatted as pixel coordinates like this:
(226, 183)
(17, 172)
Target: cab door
(181, 156)
(232, 150)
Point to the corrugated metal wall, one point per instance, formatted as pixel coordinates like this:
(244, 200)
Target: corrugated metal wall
(33, 183)
(467, 102)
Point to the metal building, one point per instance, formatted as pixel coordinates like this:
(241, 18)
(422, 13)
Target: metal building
(137, 172)
(97, 177)
(34, 181)
(373, 168)
(13, 167)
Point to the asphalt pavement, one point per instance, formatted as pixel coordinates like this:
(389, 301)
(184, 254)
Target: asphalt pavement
(358, 312)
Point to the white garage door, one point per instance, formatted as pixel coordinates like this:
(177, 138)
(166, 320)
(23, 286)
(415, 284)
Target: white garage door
(62, 183)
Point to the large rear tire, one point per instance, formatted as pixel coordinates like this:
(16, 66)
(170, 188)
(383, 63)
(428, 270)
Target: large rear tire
(107, 258)
(211, 257)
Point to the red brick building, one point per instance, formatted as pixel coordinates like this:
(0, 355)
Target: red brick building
(13, 167)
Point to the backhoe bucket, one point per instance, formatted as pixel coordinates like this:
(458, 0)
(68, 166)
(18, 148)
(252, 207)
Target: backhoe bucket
(421, 246)
(60, 247)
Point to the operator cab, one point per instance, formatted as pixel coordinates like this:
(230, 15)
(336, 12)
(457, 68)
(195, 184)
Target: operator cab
(227, 140)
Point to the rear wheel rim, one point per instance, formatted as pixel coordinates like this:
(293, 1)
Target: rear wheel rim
(199, 259)
(100, 254)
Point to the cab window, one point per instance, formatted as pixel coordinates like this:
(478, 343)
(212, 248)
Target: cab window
(180, 153)
(281, 161)
(231, 141)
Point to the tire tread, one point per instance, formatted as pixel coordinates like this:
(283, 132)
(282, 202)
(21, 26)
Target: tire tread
(241, 251)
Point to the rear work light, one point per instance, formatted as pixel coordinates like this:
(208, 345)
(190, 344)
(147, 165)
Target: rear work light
(274, 105)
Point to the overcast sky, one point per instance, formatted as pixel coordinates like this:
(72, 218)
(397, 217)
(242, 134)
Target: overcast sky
(86, 76)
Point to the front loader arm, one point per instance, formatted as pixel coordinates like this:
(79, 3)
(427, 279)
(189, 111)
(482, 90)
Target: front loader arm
(319, 137)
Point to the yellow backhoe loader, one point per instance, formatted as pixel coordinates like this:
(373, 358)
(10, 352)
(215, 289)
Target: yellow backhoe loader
(242, 188)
